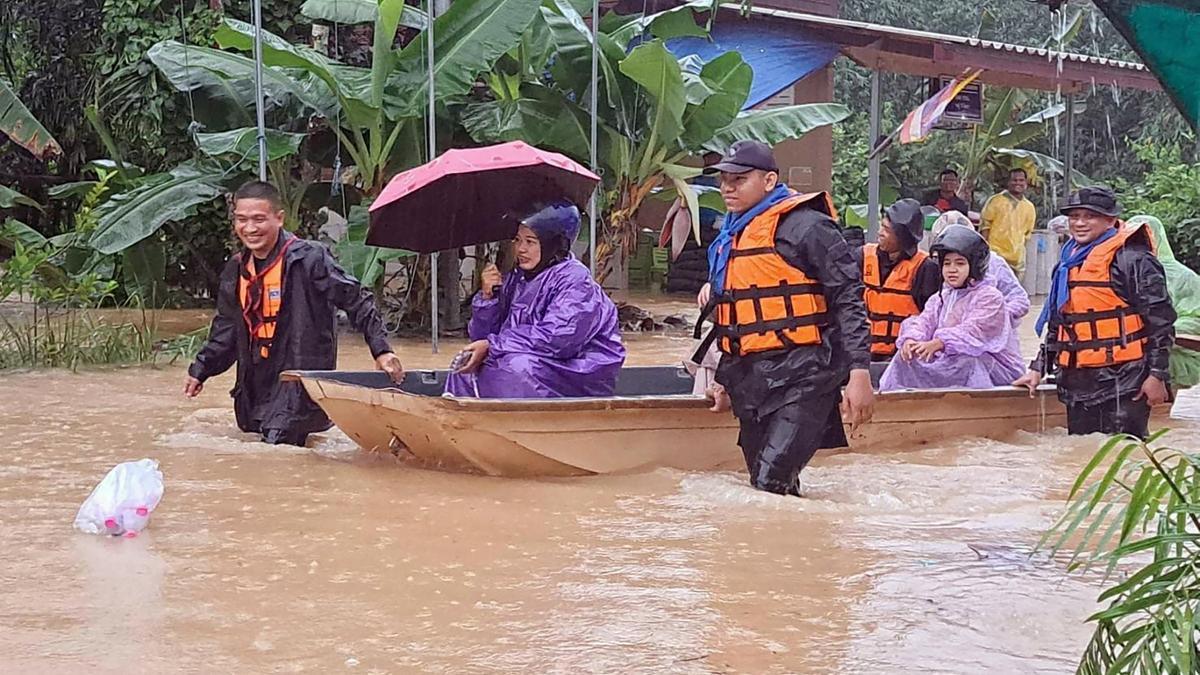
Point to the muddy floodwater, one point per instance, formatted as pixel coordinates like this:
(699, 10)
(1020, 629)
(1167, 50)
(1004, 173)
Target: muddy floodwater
(322, 560)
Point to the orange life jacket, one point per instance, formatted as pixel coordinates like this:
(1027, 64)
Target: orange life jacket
(1097, 327)
(889, 302)
(261, 296)
(767, 303)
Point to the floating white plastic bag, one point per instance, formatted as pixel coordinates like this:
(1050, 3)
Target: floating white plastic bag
(121, 504)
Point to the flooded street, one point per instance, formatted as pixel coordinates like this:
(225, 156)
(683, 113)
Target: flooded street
(263, 560)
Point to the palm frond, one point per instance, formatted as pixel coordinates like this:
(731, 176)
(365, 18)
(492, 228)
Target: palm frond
(1136, 507)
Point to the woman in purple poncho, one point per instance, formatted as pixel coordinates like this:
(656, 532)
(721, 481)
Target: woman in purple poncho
(962, 339)
(545, 330)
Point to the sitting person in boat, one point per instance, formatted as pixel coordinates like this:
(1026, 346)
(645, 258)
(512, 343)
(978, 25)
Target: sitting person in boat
(545, 330)
(962, 337)
(1016, 298)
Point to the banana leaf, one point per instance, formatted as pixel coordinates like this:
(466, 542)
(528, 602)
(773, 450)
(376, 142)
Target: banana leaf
(10, 199)
(364, 262)
(231, 76)
(23, 128)
(541, 116)
(469, 38)
(14, 231)
(131, 216)
(358, 11)
(777, 124)
(657, 71)
(242, 144)
(729, 77)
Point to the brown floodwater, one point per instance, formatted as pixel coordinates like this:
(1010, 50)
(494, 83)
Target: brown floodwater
(262, 559)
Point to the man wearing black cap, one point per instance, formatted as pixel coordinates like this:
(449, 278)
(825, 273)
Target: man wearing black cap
(790, 320)
(898, 277)
(1111, 322)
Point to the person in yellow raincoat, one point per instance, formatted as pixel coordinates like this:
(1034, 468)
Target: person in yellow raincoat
(1007, 221)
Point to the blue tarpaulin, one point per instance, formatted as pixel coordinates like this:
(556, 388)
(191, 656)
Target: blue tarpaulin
(778, 57)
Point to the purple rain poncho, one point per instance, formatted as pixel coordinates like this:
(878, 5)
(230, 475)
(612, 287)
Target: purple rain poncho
(975, 325)
(1016, 300)
(555, 335)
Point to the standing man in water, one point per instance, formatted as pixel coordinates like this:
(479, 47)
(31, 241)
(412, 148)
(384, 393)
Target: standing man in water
(1111, 322)
(276, 310)
(790, 321)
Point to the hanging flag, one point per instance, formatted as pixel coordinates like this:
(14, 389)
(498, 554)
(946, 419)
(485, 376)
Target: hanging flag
(920, 121)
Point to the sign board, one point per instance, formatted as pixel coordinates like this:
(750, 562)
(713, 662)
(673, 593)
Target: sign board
(966, 108)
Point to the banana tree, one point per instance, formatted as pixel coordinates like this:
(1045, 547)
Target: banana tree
(995, 146)
(369, 109)
(656, 112)
(375, 113)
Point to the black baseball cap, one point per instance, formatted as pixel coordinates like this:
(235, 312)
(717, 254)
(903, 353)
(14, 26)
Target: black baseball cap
(1098, 199)
(744, 156)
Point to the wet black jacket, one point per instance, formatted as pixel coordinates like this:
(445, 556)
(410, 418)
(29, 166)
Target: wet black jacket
(1138, 279)
(759, 384)
(314, 287)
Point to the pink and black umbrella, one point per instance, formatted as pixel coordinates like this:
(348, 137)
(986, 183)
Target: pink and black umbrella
(472, 196)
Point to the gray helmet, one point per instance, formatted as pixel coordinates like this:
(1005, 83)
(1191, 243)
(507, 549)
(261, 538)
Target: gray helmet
(908, 221)
(966, 242)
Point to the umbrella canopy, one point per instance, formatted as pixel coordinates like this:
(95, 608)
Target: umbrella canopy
(472, 196)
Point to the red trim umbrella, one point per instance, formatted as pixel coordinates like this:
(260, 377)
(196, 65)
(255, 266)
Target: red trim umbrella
(472, 196)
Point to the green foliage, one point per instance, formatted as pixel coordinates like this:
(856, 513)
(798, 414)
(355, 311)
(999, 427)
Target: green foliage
(1170, 191)
(1134, 507)
(655, 111)
(22, 128)
(365, 263)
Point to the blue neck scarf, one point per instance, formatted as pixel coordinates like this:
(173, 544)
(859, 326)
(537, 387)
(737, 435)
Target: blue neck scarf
(1072, 256)
(718, 251)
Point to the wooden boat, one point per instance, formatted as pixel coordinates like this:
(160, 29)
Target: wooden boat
(653, 421)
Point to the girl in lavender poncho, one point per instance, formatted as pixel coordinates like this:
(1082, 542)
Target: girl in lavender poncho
(962, 339)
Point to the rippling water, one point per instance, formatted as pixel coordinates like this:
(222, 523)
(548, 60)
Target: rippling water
(263, 559)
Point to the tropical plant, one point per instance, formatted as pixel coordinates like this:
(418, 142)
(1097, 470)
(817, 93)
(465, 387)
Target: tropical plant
(22, 128)
(376, 113)
(1135, 509)
(1170, 191)
(656, 112)
(999, 144)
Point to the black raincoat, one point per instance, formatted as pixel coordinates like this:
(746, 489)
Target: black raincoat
(314, 288)
(1138, 279)
(786, 401)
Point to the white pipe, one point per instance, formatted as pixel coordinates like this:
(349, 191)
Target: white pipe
(874, 164)
(593, 202)
(432, 133)
(256, 10)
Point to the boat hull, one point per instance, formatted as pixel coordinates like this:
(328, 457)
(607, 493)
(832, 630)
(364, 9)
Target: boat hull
(573, 437)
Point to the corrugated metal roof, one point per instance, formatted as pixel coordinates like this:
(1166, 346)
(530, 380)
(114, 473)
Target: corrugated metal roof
(926, 36)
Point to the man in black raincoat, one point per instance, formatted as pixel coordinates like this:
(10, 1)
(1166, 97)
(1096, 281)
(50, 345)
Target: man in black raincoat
(1111, 322)
(782, 369)
(276, 311)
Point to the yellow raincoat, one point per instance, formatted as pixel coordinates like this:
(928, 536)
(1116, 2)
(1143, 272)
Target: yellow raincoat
(1007, 222)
